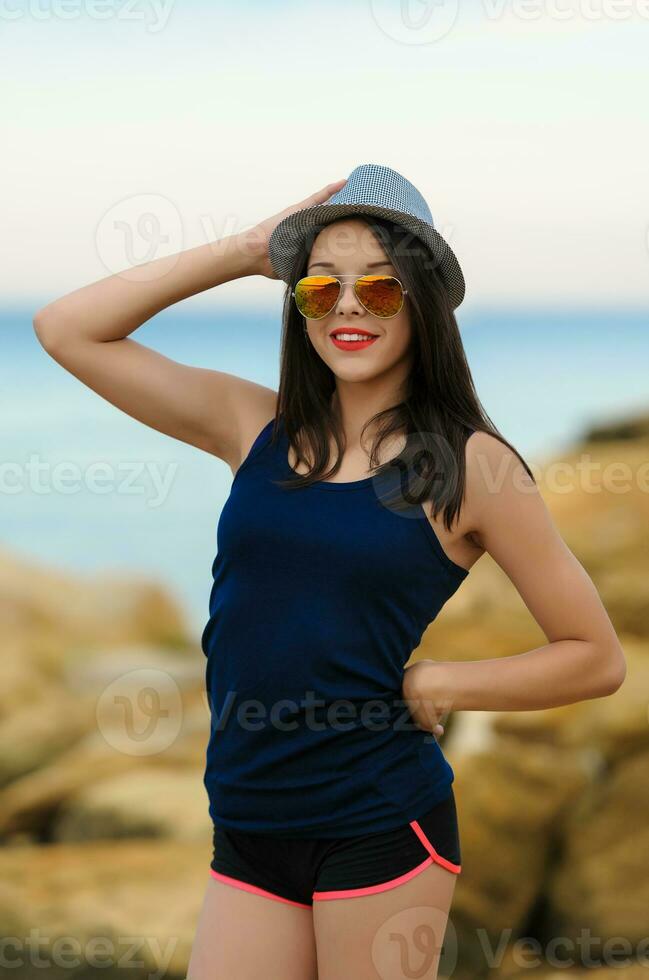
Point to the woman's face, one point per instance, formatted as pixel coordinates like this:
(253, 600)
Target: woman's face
(349, 248)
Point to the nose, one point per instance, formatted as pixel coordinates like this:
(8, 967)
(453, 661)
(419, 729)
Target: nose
(348, 301)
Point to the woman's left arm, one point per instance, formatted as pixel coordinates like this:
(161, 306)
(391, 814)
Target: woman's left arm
(583, 657)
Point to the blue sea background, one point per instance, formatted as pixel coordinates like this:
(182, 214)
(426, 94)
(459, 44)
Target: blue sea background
(543, 376)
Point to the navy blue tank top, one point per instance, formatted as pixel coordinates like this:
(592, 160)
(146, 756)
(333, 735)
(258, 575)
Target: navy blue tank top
(319, 596)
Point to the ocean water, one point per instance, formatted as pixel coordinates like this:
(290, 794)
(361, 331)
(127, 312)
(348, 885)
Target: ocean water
(84, 487)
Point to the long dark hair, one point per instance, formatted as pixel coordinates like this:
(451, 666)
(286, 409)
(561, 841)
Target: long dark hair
(440, 407)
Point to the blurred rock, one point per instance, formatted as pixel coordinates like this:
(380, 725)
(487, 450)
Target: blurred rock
(35, 734)
(29, 803)
(51, 613)
(103, 907)
(511, 801)
(22, 682)
(601, 881)
(513, 971)
(99, 667)
(619, 430)
(150, 803)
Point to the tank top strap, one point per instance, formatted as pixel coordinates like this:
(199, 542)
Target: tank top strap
(260, 441)
(261, 438)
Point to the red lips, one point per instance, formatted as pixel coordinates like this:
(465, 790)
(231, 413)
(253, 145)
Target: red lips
(334, 333)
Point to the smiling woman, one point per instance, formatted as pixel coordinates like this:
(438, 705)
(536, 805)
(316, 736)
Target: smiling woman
(330, 798)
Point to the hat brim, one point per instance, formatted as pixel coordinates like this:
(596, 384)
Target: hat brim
(288, 236)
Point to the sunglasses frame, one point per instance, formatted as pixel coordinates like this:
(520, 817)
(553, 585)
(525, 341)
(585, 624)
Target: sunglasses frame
(404, 293)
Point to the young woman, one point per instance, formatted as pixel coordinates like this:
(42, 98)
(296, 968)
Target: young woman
(364, 490)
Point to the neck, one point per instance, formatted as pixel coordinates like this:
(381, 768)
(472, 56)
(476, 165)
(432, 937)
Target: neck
(354, 402)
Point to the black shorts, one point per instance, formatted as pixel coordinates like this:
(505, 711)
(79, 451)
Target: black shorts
(300, 871)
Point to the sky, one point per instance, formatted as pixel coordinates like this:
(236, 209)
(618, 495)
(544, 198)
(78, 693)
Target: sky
(136, 129)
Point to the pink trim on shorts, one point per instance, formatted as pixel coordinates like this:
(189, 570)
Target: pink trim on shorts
(371, 889)
(455, 868)
(254, 889)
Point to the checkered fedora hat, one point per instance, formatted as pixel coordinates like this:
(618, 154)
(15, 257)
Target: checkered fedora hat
(374, 190)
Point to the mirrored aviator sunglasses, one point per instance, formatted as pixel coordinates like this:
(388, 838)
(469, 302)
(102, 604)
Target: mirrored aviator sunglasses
(316, 296)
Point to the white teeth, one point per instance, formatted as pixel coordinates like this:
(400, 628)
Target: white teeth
(352, 336)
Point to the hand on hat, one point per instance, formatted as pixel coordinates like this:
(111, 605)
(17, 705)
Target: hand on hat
(257, 238)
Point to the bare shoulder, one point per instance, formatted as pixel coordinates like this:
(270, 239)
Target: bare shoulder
(498, 486)
(487, 462)
(491, 466)
(488, 446)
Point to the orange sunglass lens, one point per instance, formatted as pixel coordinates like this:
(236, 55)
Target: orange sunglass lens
(316, 296)
(381, 295)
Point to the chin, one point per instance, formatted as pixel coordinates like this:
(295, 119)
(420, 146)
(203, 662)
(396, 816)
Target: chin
(357, 372)
(359, 366)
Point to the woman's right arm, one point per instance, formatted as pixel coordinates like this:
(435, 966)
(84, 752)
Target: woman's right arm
(87, 332)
